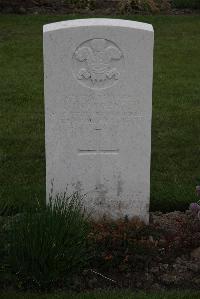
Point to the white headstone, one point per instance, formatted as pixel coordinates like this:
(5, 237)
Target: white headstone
(98, 103)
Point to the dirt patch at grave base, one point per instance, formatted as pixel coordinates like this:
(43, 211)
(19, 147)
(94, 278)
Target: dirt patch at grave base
(127, 254)
(163, 255)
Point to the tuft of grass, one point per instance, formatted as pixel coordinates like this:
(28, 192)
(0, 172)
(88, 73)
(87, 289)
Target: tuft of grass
(47, 245)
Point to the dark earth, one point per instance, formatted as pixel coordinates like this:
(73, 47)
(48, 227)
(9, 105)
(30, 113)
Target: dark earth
(127, 254)
(165, 255)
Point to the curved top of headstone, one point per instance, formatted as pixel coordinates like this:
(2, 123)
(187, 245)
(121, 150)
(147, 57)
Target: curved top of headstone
(97, 22)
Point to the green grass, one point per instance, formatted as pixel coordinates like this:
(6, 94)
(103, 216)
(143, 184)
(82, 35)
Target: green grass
(176, 110)
(104, 295)
(186, 4)
(44, 247)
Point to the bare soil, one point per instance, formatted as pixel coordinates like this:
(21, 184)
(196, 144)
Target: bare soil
(163, 255)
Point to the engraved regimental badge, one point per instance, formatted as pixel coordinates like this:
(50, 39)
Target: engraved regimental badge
(97, 63)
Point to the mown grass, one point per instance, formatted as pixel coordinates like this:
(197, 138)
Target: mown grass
(176, 110)
(104, 295)
(186, 4)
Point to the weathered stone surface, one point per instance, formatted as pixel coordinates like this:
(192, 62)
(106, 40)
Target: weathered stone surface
(98, 102)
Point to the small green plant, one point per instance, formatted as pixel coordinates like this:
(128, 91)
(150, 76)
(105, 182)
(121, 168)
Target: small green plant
(83, 4)
(152, 6)
(47, 245)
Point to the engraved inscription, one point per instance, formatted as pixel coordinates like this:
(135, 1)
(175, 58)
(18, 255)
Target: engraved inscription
(96, 63)
(102, 109)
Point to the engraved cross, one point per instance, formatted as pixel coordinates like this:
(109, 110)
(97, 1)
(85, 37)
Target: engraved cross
(98, 151)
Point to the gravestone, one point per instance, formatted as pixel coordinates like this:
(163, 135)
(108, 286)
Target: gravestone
(98, 104)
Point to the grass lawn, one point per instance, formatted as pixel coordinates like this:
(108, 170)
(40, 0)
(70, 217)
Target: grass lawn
(176, 110)
(104, 295)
